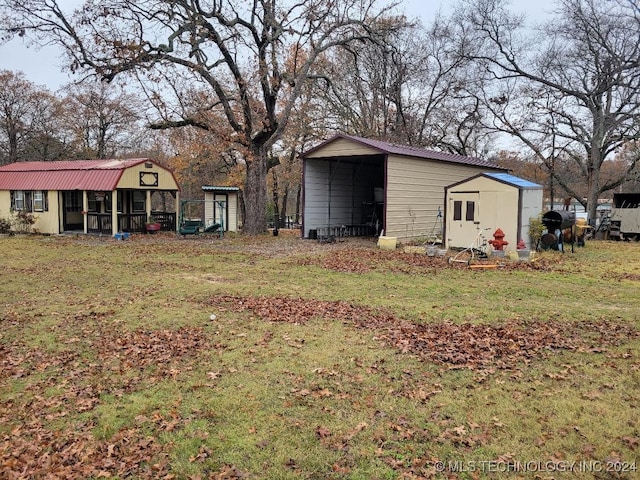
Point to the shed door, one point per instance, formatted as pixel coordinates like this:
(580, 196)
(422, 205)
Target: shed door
(220, 211)
(463, 218)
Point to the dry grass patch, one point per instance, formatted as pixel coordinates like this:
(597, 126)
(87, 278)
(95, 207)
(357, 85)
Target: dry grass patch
(112, 365)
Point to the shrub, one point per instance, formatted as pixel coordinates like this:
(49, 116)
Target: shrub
(536, 227)
(5, 225)
(23, 221)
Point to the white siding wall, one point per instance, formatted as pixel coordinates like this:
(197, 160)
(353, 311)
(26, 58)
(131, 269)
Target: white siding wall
(340, 194)
(316, 187)
(334, 193)
(208, 208)
(531, 208)
(415, 190)
(212, 210)
(233, 212)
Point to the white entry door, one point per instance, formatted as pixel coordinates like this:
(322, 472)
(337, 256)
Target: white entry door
(463, 219)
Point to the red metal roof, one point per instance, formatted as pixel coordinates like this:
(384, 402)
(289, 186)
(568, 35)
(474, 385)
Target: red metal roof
(392, 148)
(66, 174)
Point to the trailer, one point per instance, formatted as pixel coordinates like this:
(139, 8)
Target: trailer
(624, 223)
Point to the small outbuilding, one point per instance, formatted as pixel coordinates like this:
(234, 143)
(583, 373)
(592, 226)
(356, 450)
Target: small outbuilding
(359, 186)
(90, 196)
(221, 206)
(488, 201)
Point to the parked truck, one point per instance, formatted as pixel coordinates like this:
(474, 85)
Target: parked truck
(625, 217)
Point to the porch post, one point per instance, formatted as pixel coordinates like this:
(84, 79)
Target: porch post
(85, 210)
(178, 210)
(148, 205)
(114, 212)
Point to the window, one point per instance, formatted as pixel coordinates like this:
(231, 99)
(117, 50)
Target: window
(29, 201)
(457, 210)
(93, 204)
(139, 201)
(471, 207)
(108, 196)
(18, 200)
(148, 179)
(38, 201)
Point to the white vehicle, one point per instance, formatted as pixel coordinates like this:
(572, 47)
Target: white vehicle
(625, 217)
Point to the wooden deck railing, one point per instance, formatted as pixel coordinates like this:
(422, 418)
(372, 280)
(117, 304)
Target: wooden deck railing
(129, 222)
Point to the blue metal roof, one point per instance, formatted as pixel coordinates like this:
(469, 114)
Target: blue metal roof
(512, 180)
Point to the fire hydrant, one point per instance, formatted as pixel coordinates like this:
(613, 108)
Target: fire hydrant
(498, 241)
(521, 245)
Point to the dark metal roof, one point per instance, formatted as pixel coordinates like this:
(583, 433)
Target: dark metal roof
(66, 174)
(408, 151)
(211, 188)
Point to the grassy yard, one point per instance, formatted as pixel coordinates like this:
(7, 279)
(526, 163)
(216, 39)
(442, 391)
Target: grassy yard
(280, 358)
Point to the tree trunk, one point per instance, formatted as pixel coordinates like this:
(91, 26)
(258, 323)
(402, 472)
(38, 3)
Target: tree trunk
(276, 198)
(552, 191)
(593, 194)
(298, 202)
(285, 199)
(255, 193)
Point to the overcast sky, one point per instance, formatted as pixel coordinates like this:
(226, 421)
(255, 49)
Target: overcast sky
(43, 67)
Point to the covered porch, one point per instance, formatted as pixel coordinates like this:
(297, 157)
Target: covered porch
(134, 210)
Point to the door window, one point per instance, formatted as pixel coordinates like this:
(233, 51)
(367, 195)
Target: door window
(471, 208)
(457, 210)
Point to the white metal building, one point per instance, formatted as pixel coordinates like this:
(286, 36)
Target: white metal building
(367, 186)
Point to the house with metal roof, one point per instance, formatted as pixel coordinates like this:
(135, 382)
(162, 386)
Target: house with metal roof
(90, 196)
(478, 206)
(359, 186)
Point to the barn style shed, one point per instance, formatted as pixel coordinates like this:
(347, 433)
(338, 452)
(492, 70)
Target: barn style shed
(90, 196)
(488, 201)
(358, 186)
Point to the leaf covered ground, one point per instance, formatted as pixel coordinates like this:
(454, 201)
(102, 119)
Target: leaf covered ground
(275, 357)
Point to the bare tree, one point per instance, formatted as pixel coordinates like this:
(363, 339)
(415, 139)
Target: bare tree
(444, 90)
(233, 50)
(104, 120)
(363, 87)
(414, 88)
(25, 111)
(572, 91)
